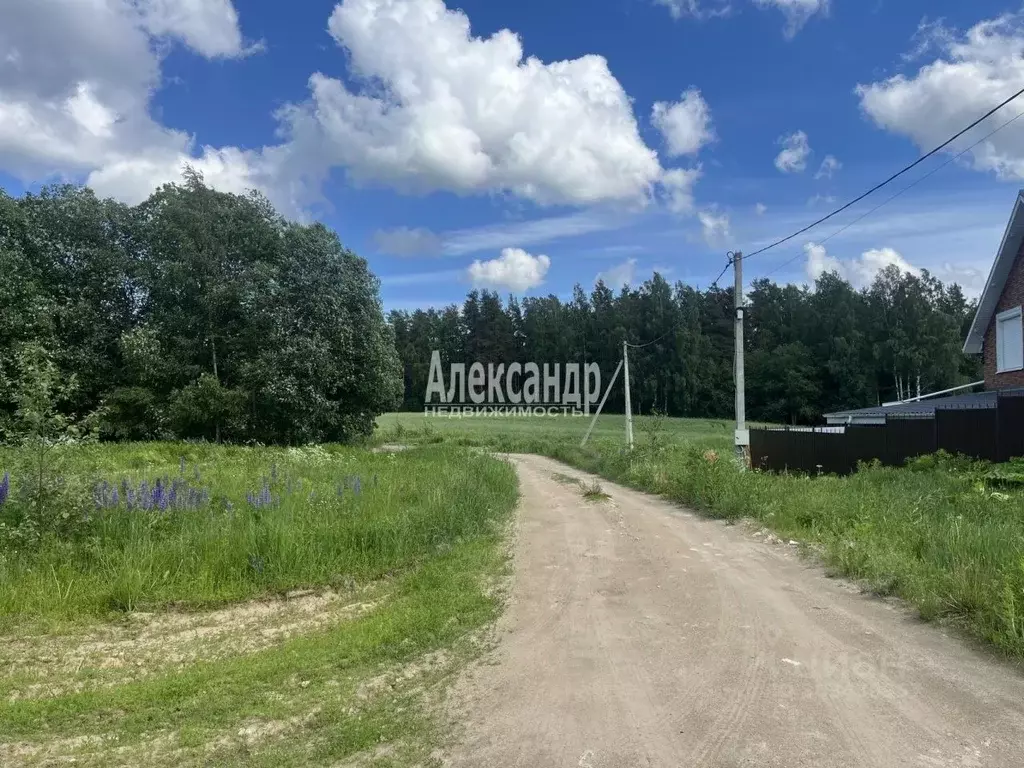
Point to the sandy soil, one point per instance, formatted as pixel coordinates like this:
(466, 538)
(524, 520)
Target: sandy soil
(638, 634)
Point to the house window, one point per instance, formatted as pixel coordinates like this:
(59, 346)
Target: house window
(1009, 341)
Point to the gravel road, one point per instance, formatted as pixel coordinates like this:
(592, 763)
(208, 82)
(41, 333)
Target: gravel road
(638, 634)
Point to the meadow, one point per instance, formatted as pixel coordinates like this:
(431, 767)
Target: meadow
(944, 534)
(199, 604)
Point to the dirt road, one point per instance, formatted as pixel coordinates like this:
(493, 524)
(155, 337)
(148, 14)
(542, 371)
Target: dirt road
(640, 635)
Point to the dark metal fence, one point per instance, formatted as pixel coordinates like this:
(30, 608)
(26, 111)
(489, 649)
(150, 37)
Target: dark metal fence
(993, 434)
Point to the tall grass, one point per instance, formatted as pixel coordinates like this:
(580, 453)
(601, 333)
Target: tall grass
(269, 520)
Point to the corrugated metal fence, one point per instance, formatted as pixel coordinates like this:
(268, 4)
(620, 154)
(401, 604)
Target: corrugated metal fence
(993, 434)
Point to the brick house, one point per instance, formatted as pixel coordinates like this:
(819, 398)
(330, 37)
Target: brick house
(997, 332)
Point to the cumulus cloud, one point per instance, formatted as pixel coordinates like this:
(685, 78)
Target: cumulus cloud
(684, 124)
(972, 72)
(796, 148)
(439, 108)
(829, 167)
(760, 209)
(86, 112)
(209, 27)
(515, 270)
(623, 274)
(859, 272)
(796, 12)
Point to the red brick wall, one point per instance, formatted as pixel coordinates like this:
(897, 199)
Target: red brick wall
(1013, 296)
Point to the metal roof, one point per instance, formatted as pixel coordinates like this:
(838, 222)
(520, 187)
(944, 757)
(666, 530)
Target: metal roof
(924, 408)
(1007, 254)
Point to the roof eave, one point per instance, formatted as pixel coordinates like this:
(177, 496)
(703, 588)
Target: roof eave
(1009, 247)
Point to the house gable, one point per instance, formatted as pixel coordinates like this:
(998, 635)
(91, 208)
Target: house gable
(1011, 298)
(1004, 291)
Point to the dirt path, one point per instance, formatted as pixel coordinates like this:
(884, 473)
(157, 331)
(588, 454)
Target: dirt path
(641, 635)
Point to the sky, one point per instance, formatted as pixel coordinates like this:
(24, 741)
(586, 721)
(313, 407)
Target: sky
(528, 146)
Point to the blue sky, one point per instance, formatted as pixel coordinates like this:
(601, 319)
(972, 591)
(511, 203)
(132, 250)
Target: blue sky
(528, 146)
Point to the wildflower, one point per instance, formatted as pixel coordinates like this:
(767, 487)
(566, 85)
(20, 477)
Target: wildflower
(181, 466)
(5, 487)
(273, 472)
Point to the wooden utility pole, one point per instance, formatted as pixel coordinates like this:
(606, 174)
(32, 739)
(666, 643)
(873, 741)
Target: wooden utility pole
(742, 437)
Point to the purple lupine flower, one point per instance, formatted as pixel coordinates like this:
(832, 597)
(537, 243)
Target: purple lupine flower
(114, 498)
(5, 487)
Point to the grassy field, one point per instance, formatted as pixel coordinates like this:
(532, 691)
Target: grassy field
(508, 432)
(939, 533)
(281, 607)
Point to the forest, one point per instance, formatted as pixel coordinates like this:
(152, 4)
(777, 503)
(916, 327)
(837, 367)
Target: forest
(201, 314)
(809, 350)
(196, 314)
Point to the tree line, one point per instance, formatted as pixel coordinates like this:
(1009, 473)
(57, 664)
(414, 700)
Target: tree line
(809, 350)
(196, 314)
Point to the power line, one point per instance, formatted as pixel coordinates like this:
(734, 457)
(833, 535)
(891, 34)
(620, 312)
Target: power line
(910, 186)
(891, 178)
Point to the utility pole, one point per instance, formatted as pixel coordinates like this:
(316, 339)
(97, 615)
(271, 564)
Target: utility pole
(629, 404)
(742, 437)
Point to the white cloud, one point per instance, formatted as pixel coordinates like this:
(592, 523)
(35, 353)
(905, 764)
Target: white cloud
(209, 27)
(442, 109)
(760, 209)
(76, 80)
(795, 150)
(859, 272)
(623, 274)
(829, 167)
(677, 185)
(973, 72)
(715, 228)
(797, 12)
(684, 124)
(515, 270)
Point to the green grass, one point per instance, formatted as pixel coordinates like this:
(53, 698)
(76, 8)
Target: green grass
(945, 535)
(422, 548)
(406, 508)
(522, 433)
